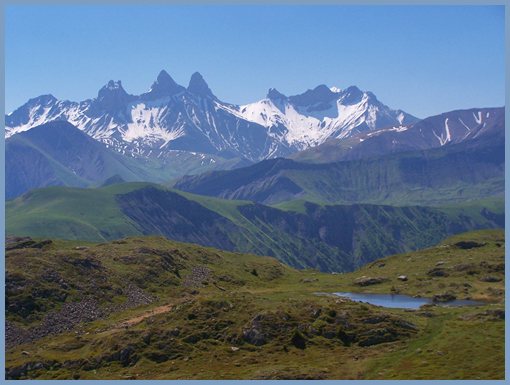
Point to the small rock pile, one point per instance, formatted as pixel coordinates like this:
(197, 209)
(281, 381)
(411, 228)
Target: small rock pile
(135, 297)
(199, 275)
(66, 319)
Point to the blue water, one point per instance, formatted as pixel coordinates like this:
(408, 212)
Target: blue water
(402, 301)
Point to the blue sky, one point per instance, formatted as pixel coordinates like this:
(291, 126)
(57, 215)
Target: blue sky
(424, 60)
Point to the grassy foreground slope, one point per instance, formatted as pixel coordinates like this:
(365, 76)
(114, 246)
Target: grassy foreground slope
(301, 234)
(149, 308)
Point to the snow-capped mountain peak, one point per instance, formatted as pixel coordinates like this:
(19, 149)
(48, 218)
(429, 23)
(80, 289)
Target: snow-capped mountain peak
(171, 117)
(310, 118)
(34, 112)
(353, 95)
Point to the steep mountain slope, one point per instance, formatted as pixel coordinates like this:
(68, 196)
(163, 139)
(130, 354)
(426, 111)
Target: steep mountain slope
(330, 238)
(57, 153)
(436, 131)
(171, 117)
(472, 169)
(150, 308)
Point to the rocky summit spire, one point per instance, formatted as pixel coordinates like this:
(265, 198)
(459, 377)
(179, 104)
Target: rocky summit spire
(112, 87)
(163, 86)
(164, 80)
(198, 86)
(112, 96)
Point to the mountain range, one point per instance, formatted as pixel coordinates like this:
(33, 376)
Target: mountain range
(445, 129)
(471, 169)
(172, 117)
(359, 180)
(171, 131)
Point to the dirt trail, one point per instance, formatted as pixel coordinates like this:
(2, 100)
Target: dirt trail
(147, 314)
(136, 320)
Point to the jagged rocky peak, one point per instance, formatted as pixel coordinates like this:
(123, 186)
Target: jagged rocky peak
(163, 86)
(274, 94)
(320, 94)
(112, 96)
(198, 86)
(164, 80)
(112, 87)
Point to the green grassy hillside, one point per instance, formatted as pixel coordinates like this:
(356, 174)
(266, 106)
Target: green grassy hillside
(149, 308)
(301, 234)
(71, 213)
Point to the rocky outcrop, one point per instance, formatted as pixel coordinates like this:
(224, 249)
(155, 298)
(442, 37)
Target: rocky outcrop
(13, 243)
(367, 281)
(445, 297)
(466, 245)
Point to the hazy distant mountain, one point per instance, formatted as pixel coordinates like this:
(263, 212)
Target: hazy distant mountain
(167, 117)
(171, 131)
(436, 131)
(57, 153)
(172, 117)
(471, 169)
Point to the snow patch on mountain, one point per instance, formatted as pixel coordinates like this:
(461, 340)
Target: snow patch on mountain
(36, 117)
(145, 124)
(340, 115)
(478, 117)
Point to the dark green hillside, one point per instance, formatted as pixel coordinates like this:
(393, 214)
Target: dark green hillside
(157, 211)
(147, 307)
(329, 237)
